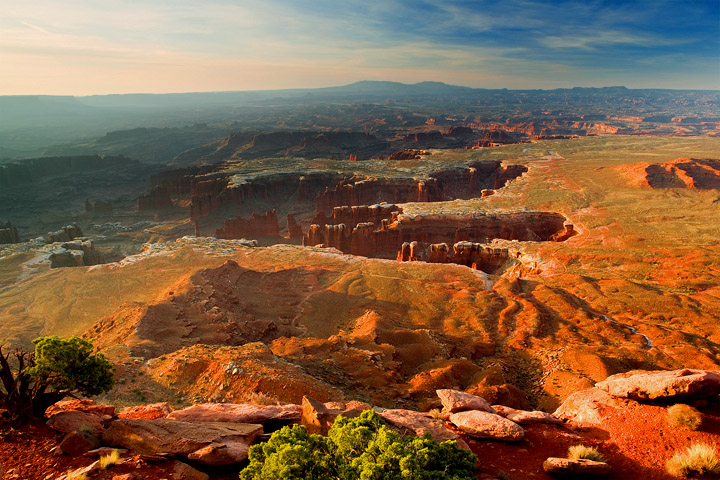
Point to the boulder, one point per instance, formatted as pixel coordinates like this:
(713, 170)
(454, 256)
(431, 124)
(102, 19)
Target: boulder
(239, 413)
(81, 405)
(76, 443)
(211, 443)
(588, 407)
(457, 401)
(417, 423)
(525, 417)
(575, 468)
(183, 471)
(69, 421)
(318, 417)
(146, 412)
(480, 424)
(643, 385)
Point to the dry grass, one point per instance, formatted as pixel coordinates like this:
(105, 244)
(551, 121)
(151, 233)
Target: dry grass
(75, 476)
(436, 415)
(682, 415)
(697, 459)
(107, 461)
(583, 451)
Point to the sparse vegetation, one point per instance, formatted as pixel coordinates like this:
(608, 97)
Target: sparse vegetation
(361, 447)
(32, 381)
(697, 459)
(436, 414)
(583, 451)
(75, 476)
(682, 415)
(110, 459)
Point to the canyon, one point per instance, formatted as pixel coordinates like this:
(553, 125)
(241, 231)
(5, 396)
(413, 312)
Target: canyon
(520, 257)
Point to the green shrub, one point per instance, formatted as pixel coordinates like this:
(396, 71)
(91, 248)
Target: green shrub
(697, 459)
(359, 448)
(32, 381)
(583, 451)
(682, 415)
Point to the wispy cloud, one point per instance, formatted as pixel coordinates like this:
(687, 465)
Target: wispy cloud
(75, 46)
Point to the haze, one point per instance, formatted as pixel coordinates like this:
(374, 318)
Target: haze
(81, 47)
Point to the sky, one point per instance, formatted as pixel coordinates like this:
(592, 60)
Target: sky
(84, 47)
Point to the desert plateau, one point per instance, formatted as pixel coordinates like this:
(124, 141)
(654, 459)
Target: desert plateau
(275, 277)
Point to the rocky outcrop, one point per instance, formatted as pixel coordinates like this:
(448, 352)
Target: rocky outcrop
(294, 229)
(65, 234)
(525, 417)
(456, 401)
(418, 423)
(8, 232)
(79, 253)
(696, 173)
(238, 413)
(486, 425)
(156, 199)
(78, 442)
(676, 384)
(257, 226)
(209, 443)
(318, 417)
(146, 412)
(387, 239)
(575, 468)
(73, 420)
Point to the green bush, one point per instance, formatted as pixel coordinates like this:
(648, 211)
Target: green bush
(69, 365)
(359, 448)
(32, 381)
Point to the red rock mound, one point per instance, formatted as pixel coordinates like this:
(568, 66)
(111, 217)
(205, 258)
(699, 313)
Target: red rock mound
(695, 173)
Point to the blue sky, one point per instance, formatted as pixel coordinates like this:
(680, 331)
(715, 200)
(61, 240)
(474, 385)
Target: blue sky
(84, 47)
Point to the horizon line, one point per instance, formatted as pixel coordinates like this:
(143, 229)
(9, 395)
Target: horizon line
(351, 84)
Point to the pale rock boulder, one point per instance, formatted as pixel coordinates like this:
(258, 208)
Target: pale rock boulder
(210, 443)
(575, 468)
(318, 417)
(239, 413)
(525, 417)
(650, 385)
(70, 421)
(456, 401)
(146, 412)
(589, 407)
(417, 423)
(486, 425)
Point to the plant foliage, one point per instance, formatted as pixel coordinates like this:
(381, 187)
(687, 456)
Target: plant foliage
(32, 381)
(359, 448)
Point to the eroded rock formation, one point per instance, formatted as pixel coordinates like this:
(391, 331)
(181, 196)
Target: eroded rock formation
(426, 234)
(8, 232)
(257, 226)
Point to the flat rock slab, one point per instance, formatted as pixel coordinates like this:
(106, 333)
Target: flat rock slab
(589, 407)
(525, 417)
(644, 385)
(240, 413)
(575, 468)
(211, 443)
(417, 423)
(486, 425)
(318, 417)
(79, 405)
(146, 412)
(457, 401)
(72, 420)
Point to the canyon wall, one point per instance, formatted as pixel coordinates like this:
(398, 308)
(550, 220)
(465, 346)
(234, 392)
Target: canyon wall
(265, 225)
(387, 238)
